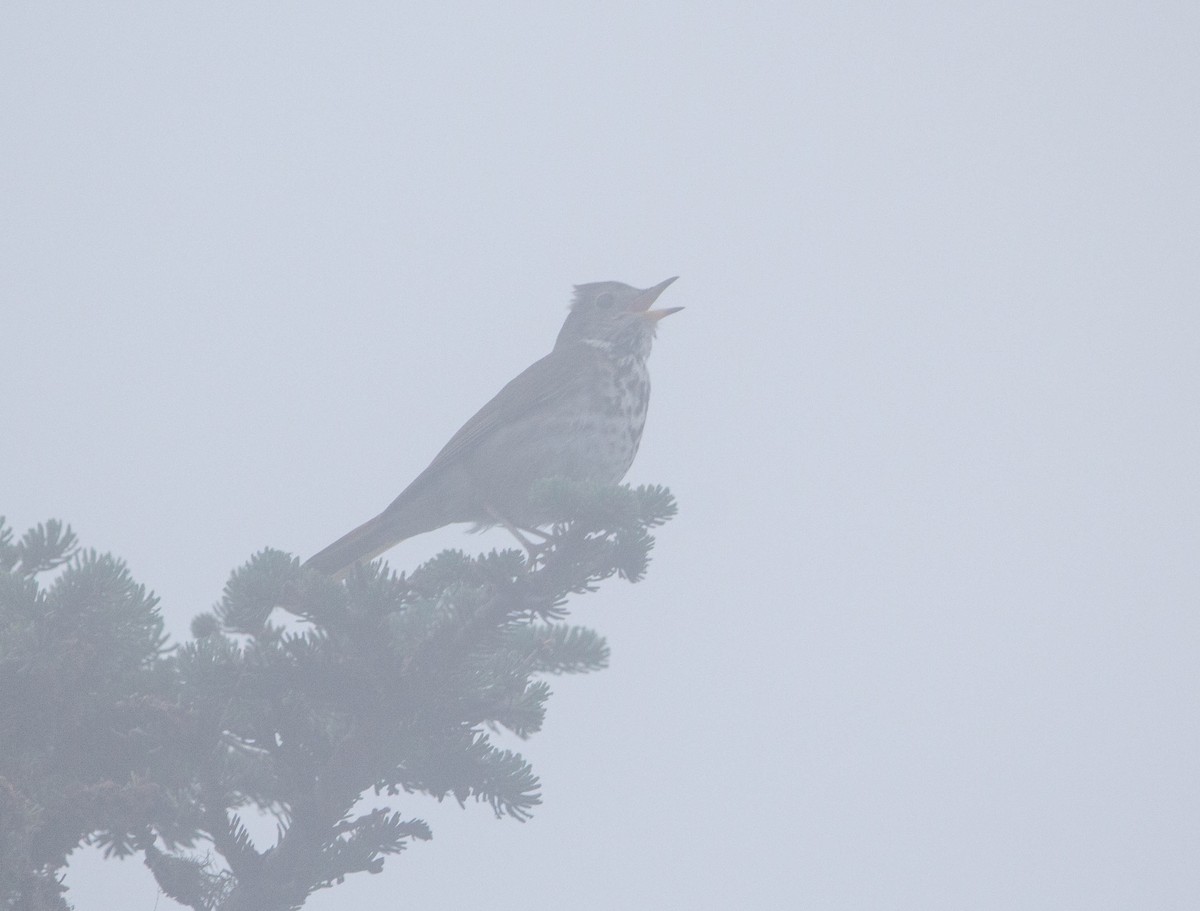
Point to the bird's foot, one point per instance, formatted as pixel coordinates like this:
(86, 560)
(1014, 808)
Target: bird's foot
(535, 552)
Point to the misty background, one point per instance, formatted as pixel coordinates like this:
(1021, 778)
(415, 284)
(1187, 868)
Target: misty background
(924, 634)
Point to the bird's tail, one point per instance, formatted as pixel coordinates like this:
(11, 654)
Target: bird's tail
(364, 543)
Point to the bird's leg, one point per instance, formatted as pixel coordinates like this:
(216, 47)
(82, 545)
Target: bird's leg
(533, 550)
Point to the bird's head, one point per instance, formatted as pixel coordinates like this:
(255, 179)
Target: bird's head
(614, 317)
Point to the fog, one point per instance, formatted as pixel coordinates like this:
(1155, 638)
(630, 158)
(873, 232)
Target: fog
(924, 632)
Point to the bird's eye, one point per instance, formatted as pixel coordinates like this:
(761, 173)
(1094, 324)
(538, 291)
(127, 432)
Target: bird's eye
(604, 300)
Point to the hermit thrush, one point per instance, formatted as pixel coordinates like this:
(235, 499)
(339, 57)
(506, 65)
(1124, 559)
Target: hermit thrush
(577, 413)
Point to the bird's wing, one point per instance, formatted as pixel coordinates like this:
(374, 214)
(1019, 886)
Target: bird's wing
(559, 375)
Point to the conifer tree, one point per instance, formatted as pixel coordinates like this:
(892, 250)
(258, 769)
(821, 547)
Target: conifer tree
(319, 703)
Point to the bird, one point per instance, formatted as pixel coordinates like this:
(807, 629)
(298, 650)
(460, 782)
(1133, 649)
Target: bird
(577, 414)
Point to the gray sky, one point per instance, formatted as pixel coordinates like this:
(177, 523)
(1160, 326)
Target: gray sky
(924, 634)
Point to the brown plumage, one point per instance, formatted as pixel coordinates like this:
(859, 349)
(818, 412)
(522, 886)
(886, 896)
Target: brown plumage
(577, 413)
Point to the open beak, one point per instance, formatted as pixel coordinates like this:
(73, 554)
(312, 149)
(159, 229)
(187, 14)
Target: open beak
(643, 301)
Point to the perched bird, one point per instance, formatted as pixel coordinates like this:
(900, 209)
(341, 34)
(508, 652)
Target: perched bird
(577, 413)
